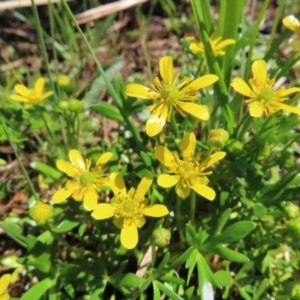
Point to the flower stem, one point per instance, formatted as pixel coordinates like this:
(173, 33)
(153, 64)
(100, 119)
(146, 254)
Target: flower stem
(174, 125)
(35, 195)
(193, 207)
(178, 217)
(153, 249)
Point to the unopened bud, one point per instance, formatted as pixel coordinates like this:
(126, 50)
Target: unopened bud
(294, 228)
(63, 105)
(63, 80)
(285, 160)
(235, 148)
(268, 221)
(161, 237)
(218, 138)
(41, 212)
(291, 210)
(76, 105)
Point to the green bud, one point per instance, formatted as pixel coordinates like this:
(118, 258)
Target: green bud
(218, 138)
(285, 159)
(296, 291)
(291, 209)
(76, 105)
(294, 227)
(258, 149)
(63, 105)
(264, 152)
(268, 221)
(235, 148)
(41, 212)
(161, 237)
(63, 80)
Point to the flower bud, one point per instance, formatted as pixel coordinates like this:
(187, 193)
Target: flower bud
(291, 210)
(63, 105)
(63, 80)
(218, 138)
(41, 212)
(268, 221)
(258, 149)
(285, 160)
(264, 152)
(161, 237)
(76, 105)
(235, 148)
(294, 227)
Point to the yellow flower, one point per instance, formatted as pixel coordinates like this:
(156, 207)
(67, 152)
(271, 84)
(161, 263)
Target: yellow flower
(129, 209)
(216, 44)
(31, 96)
(293, 24)
(85, 184)
(41, 212)
(171, 92)
(4, 283)
(263, 98)
(63, 80)
(187, 173)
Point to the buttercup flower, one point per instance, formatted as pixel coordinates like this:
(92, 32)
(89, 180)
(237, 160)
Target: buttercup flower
(171, 92)
(129, 208)
(85, 184)
(4, 283)
(187, 173)
(31, 96)
(63, 80)
(263, 98)
(293, 24)
(216, 44)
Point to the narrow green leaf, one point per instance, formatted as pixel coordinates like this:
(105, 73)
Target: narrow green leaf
(222, 220)
(11, 231)
(131, 280)
(165, 289)
(66, 225)
(229, 254)
(39, 289)
(164, 261)
(180, 260)
(191, 235)
(191, 263)
(172, 279)
(156, 291)
(107, 110)
(262, 287)
(46, 170)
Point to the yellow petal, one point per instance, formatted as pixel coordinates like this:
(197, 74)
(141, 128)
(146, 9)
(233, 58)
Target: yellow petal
(104, 158)
(4, 283)
(188, 145)
(143, 187)
(156, 210)
(103, 211)
(212, 159)
(90, 199)
(292, 109)
(259, 70)
(46, 95)
(139, 222)
(129, 236)
(18, 98)
(256, 109)
(204, 191)
(166, 69)
(182, 191)
(39, 85)
(140, 91)
(117, 184)
(68, 168)
(156, 122)
(200, 83)
(289, 91)
(224, 44)
(22, 90)
(292, 23)
(190, 38)
(295, 44)
(197, 47)
(61, 195)
(194, 109)
(240, 86)
(164, 155)
(77, 159)
(166, 180)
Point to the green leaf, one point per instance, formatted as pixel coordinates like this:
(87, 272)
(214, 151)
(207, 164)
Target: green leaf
(156, 292)
(222, 220)
(233, 233)
(131, 280)
(39, 289)
(172, 279)
(11, 231)
(259, 210)
(146, 158)
(107, 110)
(180, 260)
(46, 170)
(165, 289)
(164, 261)
(191, 235)
(224, 278)
(229, 254)
(191, 263)
(66, 225)
(262, 287)
(145, 285)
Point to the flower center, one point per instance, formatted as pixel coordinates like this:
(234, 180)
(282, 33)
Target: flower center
(170, 93)
(266, 94)
(33, 95)
(87, 178)
(128, 207)
(186, 170)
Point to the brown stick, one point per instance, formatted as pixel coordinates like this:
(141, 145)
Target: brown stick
(22, 3)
